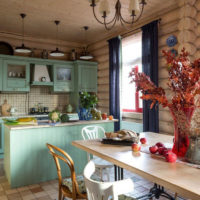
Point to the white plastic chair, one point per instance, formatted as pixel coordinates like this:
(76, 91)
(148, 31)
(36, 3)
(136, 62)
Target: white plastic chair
(105, 190)
(94, 132)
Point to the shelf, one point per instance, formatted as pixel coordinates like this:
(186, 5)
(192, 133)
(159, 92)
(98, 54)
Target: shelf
(42, 83)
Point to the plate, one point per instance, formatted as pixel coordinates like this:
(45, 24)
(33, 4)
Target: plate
(117, 142)
(6, 48)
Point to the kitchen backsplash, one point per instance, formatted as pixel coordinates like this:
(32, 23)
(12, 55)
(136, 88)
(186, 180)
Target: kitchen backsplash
(24, 101)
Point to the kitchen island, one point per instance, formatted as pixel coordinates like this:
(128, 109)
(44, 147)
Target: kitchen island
(26, 157)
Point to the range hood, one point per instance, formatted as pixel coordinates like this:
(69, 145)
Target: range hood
(40, 75)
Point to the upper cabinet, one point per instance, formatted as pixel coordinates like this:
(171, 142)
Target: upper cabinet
(16, 76)
(1, 74)
(87, 76)
(63, 75)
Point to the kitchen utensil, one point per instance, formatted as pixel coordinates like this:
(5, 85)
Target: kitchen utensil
(6, 48)
(69, 108)
(5, 108)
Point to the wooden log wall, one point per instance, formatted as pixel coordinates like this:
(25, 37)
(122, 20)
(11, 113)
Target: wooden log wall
(182, 22)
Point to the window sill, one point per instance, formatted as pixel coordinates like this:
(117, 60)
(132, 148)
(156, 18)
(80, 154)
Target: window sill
(132, 115)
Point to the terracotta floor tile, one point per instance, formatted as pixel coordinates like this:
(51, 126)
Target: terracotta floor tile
(4, 197)
(25, 193)
(14, 196)
(44, 198)
(29, 197)
(36, 190)
(40, 194)
(33, 186)
(22, 188)
(11, 191)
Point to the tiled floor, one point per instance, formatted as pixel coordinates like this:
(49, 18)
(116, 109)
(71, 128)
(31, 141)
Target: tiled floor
(48, 190)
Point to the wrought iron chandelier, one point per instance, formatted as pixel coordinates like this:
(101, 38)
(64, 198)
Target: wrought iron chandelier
(134, 9)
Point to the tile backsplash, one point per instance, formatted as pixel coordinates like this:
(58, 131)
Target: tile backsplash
(24, 101)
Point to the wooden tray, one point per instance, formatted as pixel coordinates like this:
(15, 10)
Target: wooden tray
(117, 142)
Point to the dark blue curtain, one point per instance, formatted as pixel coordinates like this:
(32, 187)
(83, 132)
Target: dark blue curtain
(150, 68)
(114, 77)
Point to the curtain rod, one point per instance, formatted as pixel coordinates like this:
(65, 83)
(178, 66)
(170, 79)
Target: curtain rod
(138, 28)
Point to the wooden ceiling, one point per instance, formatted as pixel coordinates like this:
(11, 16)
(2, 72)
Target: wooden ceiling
(73, 14)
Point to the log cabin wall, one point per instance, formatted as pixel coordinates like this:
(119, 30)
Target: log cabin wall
(183, 21)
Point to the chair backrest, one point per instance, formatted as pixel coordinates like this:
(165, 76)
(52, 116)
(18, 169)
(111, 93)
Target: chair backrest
(104, 190)
(68, 160)
(92, 132)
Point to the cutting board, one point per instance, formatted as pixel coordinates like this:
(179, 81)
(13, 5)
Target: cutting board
(5, 108)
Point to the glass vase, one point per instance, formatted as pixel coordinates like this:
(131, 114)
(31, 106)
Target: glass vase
(182, 131)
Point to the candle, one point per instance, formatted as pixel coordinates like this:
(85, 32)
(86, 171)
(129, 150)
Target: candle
(104, 7)
(134, 5)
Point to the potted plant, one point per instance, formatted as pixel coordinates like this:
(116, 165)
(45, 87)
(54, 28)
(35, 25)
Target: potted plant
(87, 101)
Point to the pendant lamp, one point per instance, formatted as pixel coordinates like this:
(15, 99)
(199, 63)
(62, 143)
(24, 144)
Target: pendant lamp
(85, 55)
(57, 52)
(22, 48)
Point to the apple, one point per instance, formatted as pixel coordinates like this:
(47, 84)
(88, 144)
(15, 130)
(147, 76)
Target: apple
(143, 140)
(153, 149)
(161, 150)
(166, 151)
(160, 144)
(136, 147)
(171, 157)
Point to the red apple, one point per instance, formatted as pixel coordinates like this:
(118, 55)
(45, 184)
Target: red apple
(161, 150)
(143, 140)
(136, 147)
(160, 144)
(153, 149)
(171, 157)
(166, 151)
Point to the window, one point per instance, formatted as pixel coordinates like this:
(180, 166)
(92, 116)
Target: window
(131, 57)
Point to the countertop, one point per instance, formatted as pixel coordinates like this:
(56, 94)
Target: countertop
(22, 115)
(80, 122)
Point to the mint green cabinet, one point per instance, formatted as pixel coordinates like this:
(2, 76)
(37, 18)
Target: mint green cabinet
(1, 74)
(87, 78)
(16, 76)
(63, 76)
(1, 138)
(86, 74)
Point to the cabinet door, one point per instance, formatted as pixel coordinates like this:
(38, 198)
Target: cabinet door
(1, 74)
(63, 78)
(16, 76)
(87, 78)
(1, 137)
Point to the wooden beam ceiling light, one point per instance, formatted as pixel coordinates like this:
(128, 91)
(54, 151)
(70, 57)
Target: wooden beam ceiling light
(22, 48)
(134, 9)
(57, 52)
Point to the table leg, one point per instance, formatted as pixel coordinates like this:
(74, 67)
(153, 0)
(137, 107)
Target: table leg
(156, 191)
(119, 173)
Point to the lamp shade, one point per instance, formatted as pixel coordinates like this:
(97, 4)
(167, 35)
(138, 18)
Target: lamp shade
(22, 49)
(57, 53)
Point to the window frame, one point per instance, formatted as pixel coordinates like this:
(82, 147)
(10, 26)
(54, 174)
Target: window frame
(137, 108)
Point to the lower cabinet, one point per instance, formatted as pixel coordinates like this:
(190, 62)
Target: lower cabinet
(1, 139)
(1, 74)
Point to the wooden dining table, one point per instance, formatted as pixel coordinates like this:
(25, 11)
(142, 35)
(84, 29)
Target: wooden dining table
(178, 177)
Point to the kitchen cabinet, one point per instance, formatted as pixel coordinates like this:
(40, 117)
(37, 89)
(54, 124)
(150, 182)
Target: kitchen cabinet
(87, 76)
(63, 75)
(1, 74)
(1, 138)
(16, 76)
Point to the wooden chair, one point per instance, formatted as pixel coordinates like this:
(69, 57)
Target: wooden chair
(94, 132)
(106, 190)
(73, 191)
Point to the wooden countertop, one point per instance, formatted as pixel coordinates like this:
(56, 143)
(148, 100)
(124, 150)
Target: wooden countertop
(80, 122)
